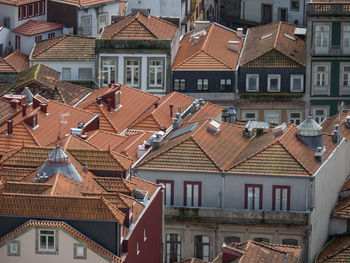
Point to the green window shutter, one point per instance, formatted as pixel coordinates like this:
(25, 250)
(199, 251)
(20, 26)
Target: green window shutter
(336, 34)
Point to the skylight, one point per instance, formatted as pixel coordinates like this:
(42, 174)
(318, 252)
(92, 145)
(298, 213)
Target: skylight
(183, 131)
(289, 36)
(266, 36)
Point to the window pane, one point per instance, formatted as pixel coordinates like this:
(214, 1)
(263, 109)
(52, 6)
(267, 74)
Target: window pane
(168, 194)
(195, 195)
(296, 84)
(189, 195)
(43, 242)
(273, 84)
(284, 199)
(278, 199)
(257, 198)
(230, 240)
(205, 252)
(250, 197)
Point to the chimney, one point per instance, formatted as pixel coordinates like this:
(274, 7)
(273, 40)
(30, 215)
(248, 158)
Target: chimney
(99, 101)
(156, 104)
(233, 45)
(171, 106)
(336, 135)
(194, 40)
(179, 109)
(319, 156)
(157, 141)
(9, 127)
(14, 103)
(109, 103)
(177, 122)
(231, 115)
(347, 122)
(240, 32)
(43, 107)
(199, 25)
(24, 110)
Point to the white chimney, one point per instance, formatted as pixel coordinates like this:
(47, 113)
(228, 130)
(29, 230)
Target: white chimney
(199, 25)
(240, 32)
(233, 45)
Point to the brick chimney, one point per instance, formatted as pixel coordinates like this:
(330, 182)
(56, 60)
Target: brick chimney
(43, 107)
(9, 127)
(109, 103)
(24, 110)
(171, 110)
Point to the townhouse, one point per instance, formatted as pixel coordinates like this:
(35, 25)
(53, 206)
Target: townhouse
(206, 65)
(272, 74)
(72, 56)
(327, 58)
(231, 183)
(137, 51)
(11, 65)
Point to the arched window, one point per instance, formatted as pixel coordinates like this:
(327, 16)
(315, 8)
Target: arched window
(261, 239)
(230, 240)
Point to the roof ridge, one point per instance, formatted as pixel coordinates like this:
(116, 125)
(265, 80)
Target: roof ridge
(116, 159)
(205, 152)
(143, 180)
(59, 39)
(54, 184)
(207, 37)
(277, 35)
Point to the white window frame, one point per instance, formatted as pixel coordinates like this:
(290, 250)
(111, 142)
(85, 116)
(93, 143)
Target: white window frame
(244, 112)
(144, 235)
(137, 248)
(46, 249)
(274, 76)
(108, 72)
(346, 38)
(321, 89)
(64, 74)
(344, 90)
(79, 248)
(10, 248)
(157, 69)
(297, 76)
(101, 26)
(80, 73)
(266, 112)
(293, 119)
(87, 21)
(323, 46)
(320, 118)
(254, 76)
(134, 69)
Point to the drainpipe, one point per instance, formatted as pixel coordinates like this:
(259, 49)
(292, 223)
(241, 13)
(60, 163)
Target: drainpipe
(222, 190)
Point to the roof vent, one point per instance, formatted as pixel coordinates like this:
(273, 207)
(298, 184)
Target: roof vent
(279, 129)
(195, 106)
(289, 36)
(177, 121)
(251, 126)
(194, 40)
(231, 115)
(266, 36)
(239, 32)
(336, 134)
(310, 133)
(347, 122)
(158, 140)
(299, 31)
(142, 149)
(199, 25)
(233, 45)
(213, 127)
(319, 155)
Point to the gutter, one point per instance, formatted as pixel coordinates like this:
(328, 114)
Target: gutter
(82, 99)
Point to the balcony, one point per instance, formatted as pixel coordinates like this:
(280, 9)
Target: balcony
(270, 96)
(230, 216)
(328, 9)
(333, 51)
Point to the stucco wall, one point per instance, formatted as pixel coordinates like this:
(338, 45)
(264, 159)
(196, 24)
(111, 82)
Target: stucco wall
(65, 250)
(5, 37)
(158, 7)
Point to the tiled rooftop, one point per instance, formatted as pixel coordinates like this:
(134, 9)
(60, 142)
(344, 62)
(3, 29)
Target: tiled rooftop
(65, 48)
(276, 37)
(139, 26)
(84, 3)
(210, 53)
(17, 60)
(34, 27)
(336, 251)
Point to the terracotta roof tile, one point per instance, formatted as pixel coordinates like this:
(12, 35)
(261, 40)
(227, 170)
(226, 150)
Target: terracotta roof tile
(28, 157)
(276, 36)
(14, 173)
(17, 2)
(208, 111)
(140, 27)
(34, 27)
(336, 251)
(17, 60)
(342, 209)
(6, 110)
(210, 53)
(106, 140)
(25, 188)
(6, 67)
(65, 48)
(114, 184)
(84, 3)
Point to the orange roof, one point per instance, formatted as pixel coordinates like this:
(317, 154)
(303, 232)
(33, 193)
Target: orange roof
(336, 250)
(66, 227)
(6, 110)
(34, 27)
(17, 60)
(211, 52)
(17, 2)
(84, 3)
(106, 140)
(328, 125)
(277, 36)
(139, 26)
(65, 48)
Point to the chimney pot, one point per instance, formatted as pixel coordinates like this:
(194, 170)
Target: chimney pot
(233, 45)
(43, 107)
(14, 103)
(9, 127)
(239, 32)
(24, 110)
(156, 104)
(109, 103)
(171, 110)
(99, 101)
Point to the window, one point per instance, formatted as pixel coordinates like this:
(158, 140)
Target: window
(345, 79)
(294, 117)
(253, 196)
(319, 114)
(13, 248)
(19, 12)
(79, 251)
(272, 116)
(144, 235)
(66, 73)
(252, 82)
(46, 241)
(230, 240)
(346, 39)
(42, 7)
(201, 247)
(261, 239)
(102, 22)
(18, 42)
(225, 85)
(273, 82)
(85, 73)
(173, 248)
(155, 73)
(296, 83)
(37, 8)
(322, 39)
(280, 198)
(290, 241)
(24, 11)
(31, 10)
(132, 76)
(249, 115)
(38, 38)
(51, 35)
(202, 84)
(294, 5)
(137, 248)
(320, 79)
(108, 70)
(192, 193)
(169, 191)
(179, 84)
(86, 25)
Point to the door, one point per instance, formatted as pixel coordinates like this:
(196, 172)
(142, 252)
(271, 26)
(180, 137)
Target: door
(266, 16)
(282, 14)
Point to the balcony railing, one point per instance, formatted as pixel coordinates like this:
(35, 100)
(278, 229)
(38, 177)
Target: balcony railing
(328, 9)
(230, 216)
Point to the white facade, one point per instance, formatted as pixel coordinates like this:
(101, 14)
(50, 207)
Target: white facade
(27, 42)
(72, 66)
(165, 8)
(92, 20)
(5, 37)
